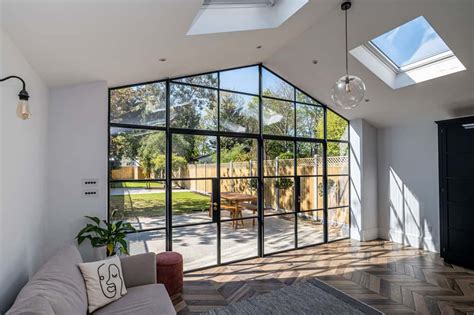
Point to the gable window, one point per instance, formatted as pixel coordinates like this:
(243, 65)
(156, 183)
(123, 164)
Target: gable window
(226, 165)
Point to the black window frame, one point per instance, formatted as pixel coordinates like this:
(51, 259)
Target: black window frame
(261, 137)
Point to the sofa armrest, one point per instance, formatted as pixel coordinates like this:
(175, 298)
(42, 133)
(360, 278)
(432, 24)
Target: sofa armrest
(139, 269)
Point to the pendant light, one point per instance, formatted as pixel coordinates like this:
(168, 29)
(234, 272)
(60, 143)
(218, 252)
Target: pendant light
(349, 90)
(22, 109)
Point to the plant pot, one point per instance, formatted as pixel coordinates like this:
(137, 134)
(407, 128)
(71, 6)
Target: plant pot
(100, 253)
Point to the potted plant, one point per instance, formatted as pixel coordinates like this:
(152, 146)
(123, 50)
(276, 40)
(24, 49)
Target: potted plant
(111, 236)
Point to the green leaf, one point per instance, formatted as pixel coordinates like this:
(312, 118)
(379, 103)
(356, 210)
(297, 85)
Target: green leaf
(95, 219)
(123, 247)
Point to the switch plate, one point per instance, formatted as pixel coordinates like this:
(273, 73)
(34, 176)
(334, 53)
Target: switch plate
(88, 193)
(90, 182)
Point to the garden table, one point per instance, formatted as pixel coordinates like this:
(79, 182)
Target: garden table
(235, 200)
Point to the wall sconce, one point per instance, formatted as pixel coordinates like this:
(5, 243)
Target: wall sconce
(22, 109)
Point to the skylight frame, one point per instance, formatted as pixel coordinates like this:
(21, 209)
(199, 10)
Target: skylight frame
(238, 3)
(415, 65)
(439, 63)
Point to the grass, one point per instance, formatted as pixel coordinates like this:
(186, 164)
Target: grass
(153, 205)
(144, 185)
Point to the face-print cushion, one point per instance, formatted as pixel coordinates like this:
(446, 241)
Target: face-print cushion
(104, 282)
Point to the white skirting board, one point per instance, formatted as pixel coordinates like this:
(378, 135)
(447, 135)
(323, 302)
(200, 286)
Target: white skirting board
(413, 240)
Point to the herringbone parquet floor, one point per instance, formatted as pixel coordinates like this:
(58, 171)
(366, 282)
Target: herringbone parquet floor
(388, 276)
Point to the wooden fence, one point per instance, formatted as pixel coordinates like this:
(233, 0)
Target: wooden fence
(275, 199)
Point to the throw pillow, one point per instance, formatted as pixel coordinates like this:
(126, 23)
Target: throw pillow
(104, 282)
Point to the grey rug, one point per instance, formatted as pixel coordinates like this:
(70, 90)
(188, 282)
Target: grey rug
(310, 297)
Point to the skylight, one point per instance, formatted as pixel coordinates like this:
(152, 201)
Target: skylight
(221, 16)
(411, 42)
(239, 2)
(410, 53)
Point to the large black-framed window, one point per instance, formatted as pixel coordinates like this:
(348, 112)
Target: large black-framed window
(180, 149)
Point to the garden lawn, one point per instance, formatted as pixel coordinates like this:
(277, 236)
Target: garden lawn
(144, 185)
(153, 205)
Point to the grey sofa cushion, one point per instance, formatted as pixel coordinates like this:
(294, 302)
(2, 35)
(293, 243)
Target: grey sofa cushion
(36, 305)
(150, 299)
(139, 269)
(58, 283)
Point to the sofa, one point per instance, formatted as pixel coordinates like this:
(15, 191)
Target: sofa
(58, 288)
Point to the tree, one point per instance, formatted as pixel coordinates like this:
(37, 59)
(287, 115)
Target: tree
(193, 107)
(238, 153)
(239, 112)
(310, 121)
(337, 129)
(151, 146)
(143, 104)
(159, 164)
(124, 146)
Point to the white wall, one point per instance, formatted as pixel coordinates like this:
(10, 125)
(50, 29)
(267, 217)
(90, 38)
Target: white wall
(408, 185)
(77, 150)
(23, 174)
(364, 223)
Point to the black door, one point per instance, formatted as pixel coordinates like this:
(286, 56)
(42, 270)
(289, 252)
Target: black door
(456, 140)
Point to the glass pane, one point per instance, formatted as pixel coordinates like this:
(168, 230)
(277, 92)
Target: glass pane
(278, 158)
(193, 156)
(191, 201)
(238, 157)
(338, 223)
(278, 117)
(209, 79)
(338, 158)
(311, 193)
(239, 113)
(275, 87)
(139, 105)
(278, 195)
(338, 191)
(309, 121)
(309, 158)
(193, 107)
(279, 233)
(238, 199)
(140, 203)
(147, 242)
(137, 154)
(411, 42)
(337, 127)
(303, 98)
(239, 243)
(240, 80)
(197, 244)
(310, 228)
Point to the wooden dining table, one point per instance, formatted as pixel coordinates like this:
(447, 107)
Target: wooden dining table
(235, 200)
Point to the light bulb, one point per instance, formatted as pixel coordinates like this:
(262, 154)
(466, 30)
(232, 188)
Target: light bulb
(348, 91)
(23, 109)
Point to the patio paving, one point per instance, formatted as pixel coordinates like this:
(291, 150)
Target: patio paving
(198, 243)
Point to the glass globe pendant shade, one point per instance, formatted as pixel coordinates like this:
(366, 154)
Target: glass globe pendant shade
(348, 91)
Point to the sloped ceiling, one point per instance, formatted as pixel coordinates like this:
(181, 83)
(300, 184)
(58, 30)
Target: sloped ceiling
(121, 42)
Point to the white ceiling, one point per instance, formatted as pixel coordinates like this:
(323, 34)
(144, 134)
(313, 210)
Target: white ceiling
(121, 42)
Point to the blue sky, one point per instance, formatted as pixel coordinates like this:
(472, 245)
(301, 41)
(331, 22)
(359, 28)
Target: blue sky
(242, 80)
(246, 80)
(411, 42)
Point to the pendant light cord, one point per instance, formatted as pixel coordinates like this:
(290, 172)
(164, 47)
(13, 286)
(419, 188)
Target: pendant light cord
(347, 59)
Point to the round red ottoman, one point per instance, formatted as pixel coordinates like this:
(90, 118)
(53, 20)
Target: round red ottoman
(169, 271)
